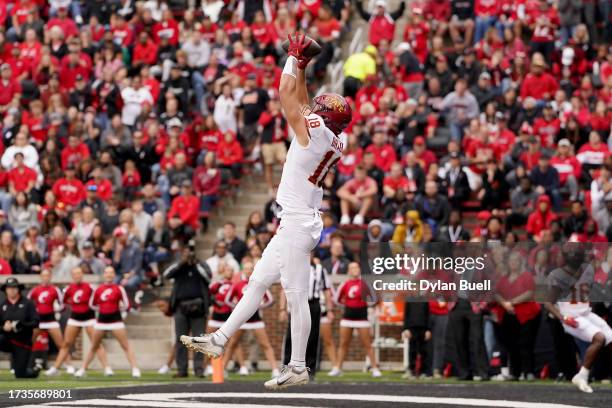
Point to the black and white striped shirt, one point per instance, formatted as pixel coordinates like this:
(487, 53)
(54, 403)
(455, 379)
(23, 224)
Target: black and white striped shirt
(318, 282)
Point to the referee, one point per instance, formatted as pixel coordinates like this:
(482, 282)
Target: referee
(318, 284)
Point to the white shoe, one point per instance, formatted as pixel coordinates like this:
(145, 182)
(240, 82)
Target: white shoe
(70, 370)
(209, 371)
(345, 219)
(163, 369)
(205, 344)
(80, 373)
(289, 377)
(335, 372)
(582, 384)
(275, 373)
(51, 372)
(108, 371)
(136, 372)
(358, 219)
(376, 373)
(245, 371)
(499, 378)
(408, 375)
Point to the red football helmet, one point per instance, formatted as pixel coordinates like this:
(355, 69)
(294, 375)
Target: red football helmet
(335, 111)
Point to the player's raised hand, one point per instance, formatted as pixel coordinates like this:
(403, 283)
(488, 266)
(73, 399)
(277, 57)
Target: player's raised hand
(302, 47)
(297, 48)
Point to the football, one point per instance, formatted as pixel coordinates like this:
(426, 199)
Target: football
(313, 48)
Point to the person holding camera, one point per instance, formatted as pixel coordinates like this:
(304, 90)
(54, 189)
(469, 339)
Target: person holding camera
(189, 304)
(18, 319)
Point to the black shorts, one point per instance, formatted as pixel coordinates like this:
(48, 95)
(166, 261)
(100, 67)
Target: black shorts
(49, 317)
(82, 317)
(110, 317)
(220, 317)
(359, 313)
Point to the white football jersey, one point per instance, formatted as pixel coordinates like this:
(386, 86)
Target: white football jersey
(306, 167)
(574, 299)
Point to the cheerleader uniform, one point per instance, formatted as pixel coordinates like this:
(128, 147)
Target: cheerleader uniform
(221, 310)
(352, 294)
(78, 295)
(45, 298)
(109, 300)
(235, 294)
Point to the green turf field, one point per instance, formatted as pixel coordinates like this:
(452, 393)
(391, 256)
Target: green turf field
(95, 379)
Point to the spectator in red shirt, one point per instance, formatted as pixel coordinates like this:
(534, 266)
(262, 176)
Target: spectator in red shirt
(328, 27)
(75, 152)
(104, 187)
(543, 21)
(145, 51)
(547, 127)
(166, 28)
(383, 151)
(229, 154)
(206, 181)
(593, 154)
(416, 34)
(518, 315)
(21, 178)
(10, 89)
(184, 212)
(486, 12)
(437, 13)
(591, 233)
(568, 167)
(72, 66)
(541, 218)
(530, 157)
(358, 194)
(538, 84)
(68, 189)
(63, 21)
(130, 180)
(395, 182)
(381, 22)
(424, 156)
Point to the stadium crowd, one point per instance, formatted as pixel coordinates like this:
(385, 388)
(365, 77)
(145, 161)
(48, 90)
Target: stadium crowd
(124, 123)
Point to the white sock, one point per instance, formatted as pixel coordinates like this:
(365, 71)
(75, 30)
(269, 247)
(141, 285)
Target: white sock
(584, 372)
(248, 305)
(300, 326)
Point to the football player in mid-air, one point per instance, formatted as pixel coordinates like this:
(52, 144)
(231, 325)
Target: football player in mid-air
(569, 301)
(314, 150)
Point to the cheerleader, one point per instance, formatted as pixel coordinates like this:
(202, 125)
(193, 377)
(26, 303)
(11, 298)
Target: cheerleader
(48, 300)
(351, 294)
(221, 311)
(254, 323)
(77, 295)
(109, 300)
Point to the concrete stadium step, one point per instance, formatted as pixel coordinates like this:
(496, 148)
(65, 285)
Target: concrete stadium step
(153, 318)
(147, 331)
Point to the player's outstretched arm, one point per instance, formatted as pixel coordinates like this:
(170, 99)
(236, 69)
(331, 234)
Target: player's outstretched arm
(292, 90)
(289, 101)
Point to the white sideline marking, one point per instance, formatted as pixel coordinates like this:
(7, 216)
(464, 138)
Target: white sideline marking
(144, 402)
(352, 397)
(178, 400)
